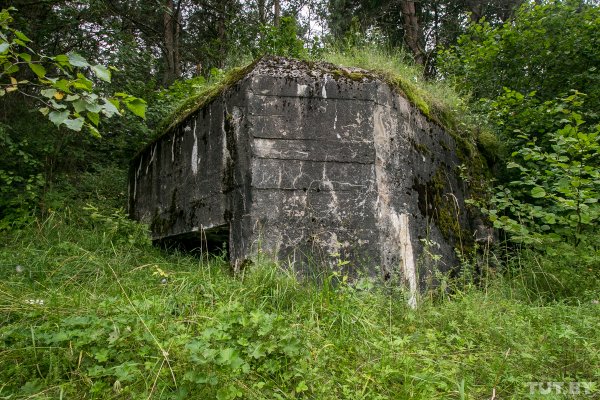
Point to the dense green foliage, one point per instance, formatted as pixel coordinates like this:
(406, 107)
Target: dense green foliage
(545, 108)
(20, 181)
(548, 49)
(281, 40)
(91, 310)
(440, 22)
(553, 183)
(62, 89)
(67, 97)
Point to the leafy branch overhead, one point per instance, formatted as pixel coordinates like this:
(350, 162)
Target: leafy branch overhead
(64, 84)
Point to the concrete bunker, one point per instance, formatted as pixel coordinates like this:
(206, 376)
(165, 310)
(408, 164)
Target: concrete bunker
(306, 162)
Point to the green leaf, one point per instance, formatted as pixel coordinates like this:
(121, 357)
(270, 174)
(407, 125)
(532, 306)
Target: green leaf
(11, 69)
(49, 93)
(236, 362)
(93, 107)
(77, 61)
(109, 109)
(538, 192)
(57, 106)
(101, 72)
(302, 387)
(62, 84)
(226, 355)
(93, 117)
(62, 59)
(83, 83)
(75, 124)
(549, 219)
(195, 377)
(25, 57)
(94, 131)
(79, 105)
(4, 47)
(258, 351)
(58, 117)
(102, 355)
(137, 107)
(291, 348)
(22, 36)
(37, 69)
(228, 393)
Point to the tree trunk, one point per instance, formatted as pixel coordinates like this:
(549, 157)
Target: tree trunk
(412, 30)
(277, 13)
(222, 35)
(176, 47)
(476, 9)
(262, 19)
(508, 9)
(171, 25)
(430, 67)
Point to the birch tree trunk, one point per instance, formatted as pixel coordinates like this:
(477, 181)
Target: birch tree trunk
(260, 4)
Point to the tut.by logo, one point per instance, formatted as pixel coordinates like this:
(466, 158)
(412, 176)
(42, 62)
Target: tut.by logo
(572, 388)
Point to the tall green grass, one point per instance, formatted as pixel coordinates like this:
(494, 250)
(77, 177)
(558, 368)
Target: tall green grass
(397, 66)
(94, 311)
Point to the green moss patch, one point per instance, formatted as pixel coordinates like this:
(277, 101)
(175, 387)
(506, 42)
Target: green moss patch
(433, 204)
(204, 97)
(194, 103)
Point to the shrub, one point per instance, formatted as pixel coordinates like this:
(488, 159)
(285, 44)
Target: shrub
(553, 184)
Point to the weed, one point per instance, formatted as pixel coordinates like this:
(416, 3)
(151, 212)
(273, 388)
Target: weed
(89, 309)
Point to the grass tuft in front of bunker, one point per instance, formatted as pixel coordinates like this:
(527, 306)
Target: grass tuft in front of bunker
(90, 309)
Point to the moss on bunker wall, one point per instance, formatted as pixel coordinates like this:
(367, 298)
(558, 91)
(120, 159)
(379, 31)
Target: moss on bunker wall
(433, 203)
(354, 76)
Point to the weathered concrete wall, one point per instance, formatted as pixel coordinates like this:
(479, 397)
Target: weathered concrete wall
(308, 162)
(194, 178)
(313, 166)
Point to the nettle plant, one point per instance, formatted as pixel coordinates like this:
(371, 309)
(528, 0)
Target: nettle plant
(64, 84)
(555, 177)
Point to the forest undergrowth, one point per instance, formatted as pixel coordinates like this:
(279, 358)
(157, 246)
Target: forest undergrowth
(90, 309)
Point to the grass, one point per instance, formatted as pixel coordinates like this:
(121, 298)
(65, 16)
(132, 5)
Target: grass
(434, 98)
(94, 311)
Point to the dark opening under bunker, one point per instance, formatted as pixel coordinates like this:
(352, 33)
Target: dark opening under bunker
(212, 241)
